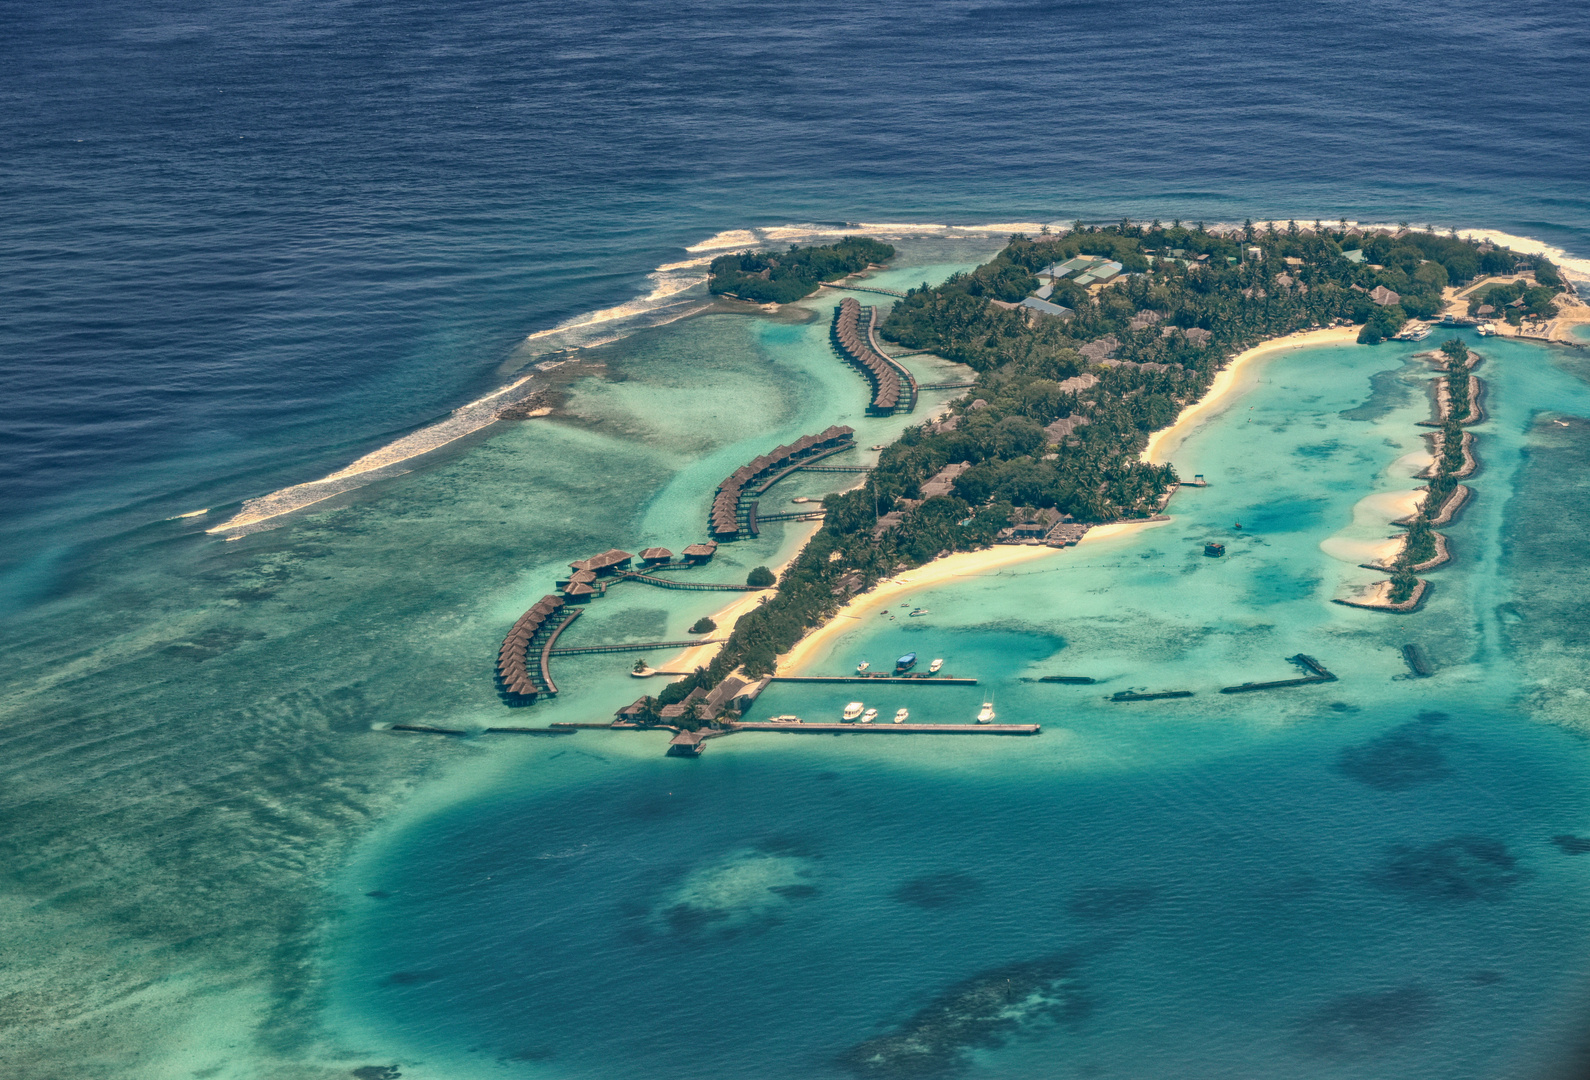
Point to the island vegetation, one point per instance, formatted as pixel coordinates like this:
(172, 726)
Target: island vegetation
(1064, 403)
(781, 278)
(1419, 545)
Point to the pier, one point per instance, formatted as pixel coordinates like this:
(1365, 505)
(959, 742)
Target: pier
(546, 651)
(854, 333)
(1133, 695)
(800, 727)
(862, 288)
(634, 646)
(693, 586)
(947, 386)
(1317, 674)
(915, 680)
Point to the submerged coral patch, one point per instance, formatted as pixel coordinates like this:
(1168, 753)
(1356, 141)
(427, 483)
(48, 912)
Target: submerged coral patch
(980, 1013)
(1358, 1025)
(937, 890)
(1572, 845)
(745, 890)
(1402, 758)
(1462, 868)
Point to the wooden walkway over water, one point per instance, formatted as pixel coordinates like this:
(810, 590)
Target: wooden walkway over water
(808, 728)
(692, 586)
(914, 680)
(863, 288)
(633, 646)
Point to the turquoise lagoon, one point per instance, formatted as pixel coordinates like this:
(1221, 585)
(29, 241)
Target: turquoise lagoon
(1374, 877)
(1357, 879)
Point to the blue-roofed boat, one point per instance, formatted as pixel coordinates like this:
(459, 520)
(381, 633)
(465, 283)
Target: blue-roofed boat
(906, 662)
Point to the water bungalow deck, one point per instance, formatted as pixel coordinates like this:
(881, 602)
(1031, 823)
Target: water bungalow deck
(894, 388)
(726, 517)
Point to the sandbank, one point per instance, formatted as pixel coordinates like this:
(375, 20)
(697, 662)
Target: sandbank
(1361, 552)
(1236, 378)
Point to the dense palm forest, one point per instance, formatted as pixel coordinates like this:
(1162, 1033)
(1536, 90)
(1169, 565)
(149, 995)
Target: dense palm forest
(1126, 360)
(780, 278)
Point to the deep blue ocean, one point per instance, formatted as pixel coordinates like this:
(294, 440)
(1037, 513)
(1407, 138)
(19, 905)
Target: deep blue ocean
(241, 247)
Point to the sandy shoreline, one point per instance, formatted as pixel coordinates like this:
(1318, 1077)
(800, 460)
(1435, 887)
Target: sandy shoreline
(1234, 379)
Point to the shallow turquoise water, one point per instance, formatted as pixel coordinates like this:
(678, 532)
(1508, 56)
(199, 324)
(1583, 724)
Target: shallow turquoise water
(1355, 879)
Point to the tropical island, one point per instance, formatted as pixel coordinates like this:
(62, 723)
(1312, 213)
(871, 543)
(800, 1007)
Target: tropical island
(785, 277)
(1084, 345)
(1090, 350)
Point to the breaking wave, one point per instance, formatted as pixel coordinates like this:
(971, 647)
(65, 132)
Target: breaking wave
(678, 290)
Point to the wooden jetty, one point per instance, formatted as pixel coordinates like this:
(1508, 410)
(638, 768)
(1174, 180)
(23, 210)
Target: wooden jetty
(693, 586)
(862, 288)
(427, 729)
(894, 388)
(915, 680)
(1077, 680)
(1317, 674)
(726, 518)
(634, 646)
(1133, 695)
(946, 386)
(806, 728)
(546, 651)
(836, 468)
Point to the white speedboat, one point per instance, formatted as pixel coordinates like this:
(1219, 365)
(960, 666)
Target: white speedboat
(902, 716)
(863, 666)
(935, 665)
(853, 710)
(917, 613)
(986, 716)
(869, 716)
(787, 718)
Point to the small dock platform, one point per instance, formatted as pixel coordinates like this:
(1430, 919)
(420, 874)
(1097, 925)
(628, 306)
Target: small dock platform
(1158, 695)
(915, 680)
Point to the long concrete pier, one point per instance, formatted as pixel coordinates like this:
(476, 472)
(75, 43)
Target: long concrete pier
(897, 729)
(914, 680)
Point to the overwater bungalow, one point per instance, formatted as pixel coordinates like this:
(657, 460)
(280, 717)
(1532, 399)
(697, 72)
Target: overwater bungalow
(654, 556)
(699, 553)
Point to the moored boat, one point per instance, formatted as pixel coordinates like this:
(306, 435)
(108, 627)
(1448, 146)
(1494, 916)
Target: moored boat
(935, 665)
(986, 715)
(905, 663)
(863, 666)
(902, 715)
(919, 612)
(853, 710)
(869, 716)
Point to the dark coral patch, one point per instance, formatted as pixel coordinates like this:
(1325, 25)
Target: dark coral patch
(1572, 845)
(979, 1013)
(1462, 868)
(1359, 1025)
(938, 890)
(1402, 758)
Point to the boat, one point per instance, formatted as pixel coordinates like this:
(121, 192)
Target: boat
(878, 446)
(935, 665)
(869, 716)
(918, 612)
(863, 666)
(1485, 329)
(1214, 549)
(986, 716)
(905, 663)
(902, 716)
(853, 710)
(800, 499)
(1417, 332)
(787, 718)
